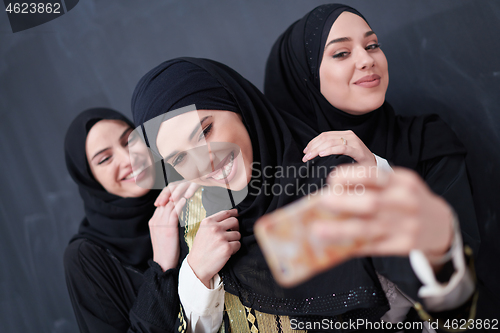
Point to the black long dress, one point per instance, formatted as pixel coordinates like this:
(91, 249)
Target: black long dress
(108, 296)
(113, 284)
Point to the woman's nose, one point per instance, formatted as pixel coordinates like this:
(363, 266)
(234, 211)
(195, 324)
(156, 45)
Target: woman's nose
(212, 157)
(201, 158)
(123, 157)
(364, 60)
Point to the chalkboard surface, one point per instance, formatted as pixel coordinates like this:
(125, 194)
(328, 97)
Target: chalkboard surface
(443, 58)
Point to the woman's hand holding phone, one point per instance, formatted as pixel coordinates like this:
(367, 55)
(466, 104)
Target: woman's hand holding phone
(358, 214)
(391, 213)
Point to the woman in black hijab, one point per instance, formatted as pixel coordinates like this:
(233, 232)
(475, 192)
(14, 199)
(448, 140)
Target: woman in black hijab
(299, 80)
(302, 78)
(179, 106)
(113, 284)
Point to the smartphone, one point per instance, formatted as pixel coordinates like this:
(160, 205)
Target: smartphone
(293, 253)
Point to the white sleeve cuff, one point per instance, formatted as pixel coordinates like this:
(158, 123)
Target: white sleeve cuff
(382, 163)
(444, 296)
(203, 306)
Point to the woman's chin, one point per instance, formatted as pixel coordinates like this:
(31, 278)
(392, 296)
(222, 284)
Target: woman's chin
(238, 186)
(367, 108)
(135, 192)
(145, 179)
(235, 184)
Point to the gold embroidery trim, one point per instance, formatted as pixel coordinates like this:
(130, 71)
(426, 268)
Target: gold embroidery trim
(195, 213)
(239, 316)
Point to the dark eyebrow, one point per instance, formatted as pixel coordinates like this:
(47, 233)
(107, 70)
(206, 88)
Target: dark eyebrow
(338, 40)
(121, 137)
(348, 39)
(369, 33)
(99, 152)
(125, 132)
(191, 136)
(170, 156)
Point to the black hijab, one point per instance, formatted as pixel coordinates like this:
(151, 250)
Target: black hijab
(351, 289)
(292, 84)
(115, 223)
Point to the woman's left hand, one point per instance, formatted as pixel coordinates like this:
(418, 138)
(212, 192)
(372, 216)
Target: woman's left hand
(388, 214)
(339, 143)
(163, 228)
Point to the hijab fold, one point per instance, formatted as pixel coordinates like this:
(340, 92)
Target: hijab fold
(118, 224)
(351, 289)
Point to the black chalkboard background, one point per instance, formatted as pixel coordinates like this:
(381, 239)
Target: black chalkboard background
(444, 57)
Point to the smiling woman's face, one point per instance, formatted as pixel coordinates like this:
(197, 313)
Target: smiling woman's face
(107, 149)
(208, 147)
(353, 74)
